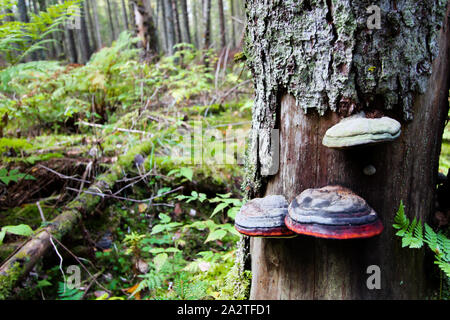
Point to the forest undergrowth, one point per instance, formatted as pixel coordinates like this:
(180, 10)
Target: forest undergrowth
(165, 230)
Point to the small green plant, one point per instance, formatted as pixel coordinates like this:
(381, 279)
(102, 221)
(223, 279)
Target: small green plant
(14, 175)
(413, 236)
(19, 230)
(65, 293)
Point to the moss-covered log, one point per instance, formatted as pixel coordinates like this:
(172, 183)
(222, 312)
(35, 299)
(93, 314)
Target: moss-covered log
(18, 265)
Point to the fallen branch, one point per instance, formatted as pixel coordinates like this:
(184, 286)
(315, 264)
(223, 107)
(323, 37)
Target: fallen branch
(24, 259)
(101, 194)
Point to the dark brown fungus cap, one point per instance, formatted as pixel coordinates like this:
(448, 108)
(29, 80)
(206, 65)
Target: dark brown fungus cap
(332, 212)
(264, 217)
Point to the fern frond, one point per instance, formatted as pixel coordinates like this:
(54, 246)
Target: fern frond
(401, 221)
(444, 266)
(431, 237)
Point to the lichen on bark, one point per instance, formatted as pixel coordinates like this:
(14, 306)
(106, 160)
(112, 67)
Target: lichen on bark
(323, 53)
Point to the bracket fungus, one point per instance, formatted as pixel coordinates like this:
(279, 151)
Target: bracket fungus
(358, 130)
(332, 212)
(264, 217)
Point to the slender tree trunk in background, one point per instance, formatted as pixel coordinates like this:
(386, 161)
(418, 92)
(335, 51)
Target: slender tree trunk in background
(223, 38)
(85, 47)
(115, 10)
(176, 21)
(325, 77)
(161, 24)
(206, 24)
(71, 46)
(169, 23)
(145, 27)
(23, 17)
(35, 7)
(233, 28)
(111, 22)
(196, 33)
(186, 30)
(133, 20)
(125, 15)
(96, 25)
(91, 26)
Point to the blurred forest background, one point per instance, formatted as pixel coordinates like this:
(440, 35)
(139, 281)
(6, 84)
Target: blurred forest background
(98, 102)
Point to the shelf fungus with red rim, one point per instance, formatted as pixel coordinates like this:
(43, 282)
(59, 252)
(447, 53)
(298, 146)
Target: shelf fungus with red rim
(264, 217)
(358, 130)
(332, 212)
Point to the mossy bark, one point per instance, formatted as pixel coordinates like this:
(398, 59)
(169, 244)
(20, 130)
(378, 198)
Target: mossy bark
(313, 63)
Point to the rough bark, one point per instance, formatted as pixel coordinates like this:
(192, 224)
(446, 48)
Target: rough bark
(145, 27)
(310, 62)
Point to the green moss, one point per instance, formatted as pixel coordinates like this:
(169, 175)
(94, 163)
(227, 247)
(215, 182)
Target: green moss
(9, 280)
(13, 143)
(28, 214)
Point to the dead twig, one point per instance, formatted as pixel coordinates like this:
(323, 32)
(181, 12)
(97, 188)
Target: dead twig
(130, 199)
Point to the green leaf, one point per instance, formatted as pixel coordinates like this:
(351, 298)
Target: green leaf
(20, 230)
(187, 173)
(159, 260)
(216, 235)
(2, 235)
(158, 228)
(164, 218)
(219, 208)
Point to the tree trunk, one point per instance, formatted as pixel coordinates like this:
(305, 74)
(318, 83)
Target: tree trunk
(186, 30)
(233, 28)
(206, 24)
(83, 35)
(196, 36)
(71, 46)
(115, 10)
(223, 38)
(176, 21)
(169, 23)
(145, 27)
(305, 80)
(91, 26)
(23, 17)
(162, 24)
(111, 22)
(125, 15)
(98, 37)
